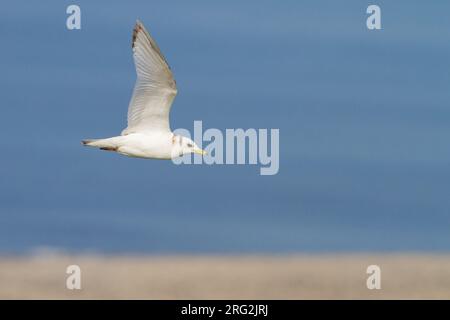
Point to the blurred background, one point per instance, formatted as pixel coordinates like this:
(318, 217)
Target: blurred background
(363, 116)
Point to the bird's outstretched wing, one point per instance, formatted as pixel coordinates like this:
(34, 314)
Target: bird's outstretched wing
(155, 87)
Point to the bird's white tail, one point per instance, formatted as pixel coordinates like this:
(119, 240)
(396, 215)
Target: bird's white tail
(88, 142)
(104, 144)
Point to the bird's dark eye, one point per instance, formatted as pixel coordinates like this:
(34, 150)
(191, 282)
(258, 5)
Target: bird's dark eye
(190, 145)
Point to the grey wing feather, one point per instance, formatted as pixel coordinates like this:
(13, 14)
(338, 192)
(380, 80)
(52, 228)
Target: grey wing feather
(155, 87)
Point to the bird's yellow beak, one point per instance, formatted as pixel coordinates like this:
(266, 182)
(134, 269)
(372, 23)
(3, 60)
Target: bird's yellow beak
(200, 151)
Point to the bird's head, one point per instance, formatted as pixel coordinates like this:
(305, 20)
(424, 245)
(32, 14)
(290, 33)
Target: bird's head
(182, 145)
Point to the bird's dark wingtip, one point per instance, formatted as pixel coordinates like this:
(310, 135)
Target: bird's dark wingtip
(136, 30)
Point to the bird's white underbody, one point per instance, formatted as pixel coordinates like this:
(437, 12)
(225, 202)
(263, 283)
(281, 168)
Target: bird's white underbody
(153, 145)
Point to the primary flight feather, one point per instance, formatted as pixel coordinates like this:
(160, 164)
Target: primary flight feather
(148, 134)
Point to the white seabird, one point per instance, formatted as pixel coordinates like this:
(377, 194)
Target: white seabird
(148, 134)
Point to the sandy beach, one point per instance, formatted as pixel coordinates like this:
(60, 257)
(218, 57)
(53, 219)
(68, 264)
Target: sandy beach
(226, 277)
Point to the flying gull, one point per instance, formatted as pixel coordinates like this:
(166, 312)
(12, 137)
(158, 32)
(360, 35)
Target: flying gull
(148, 134)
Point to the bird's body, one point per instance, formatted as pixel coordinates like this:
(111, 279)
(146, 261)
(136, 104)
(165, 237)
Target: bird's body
(154, 145)
(148, 134)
